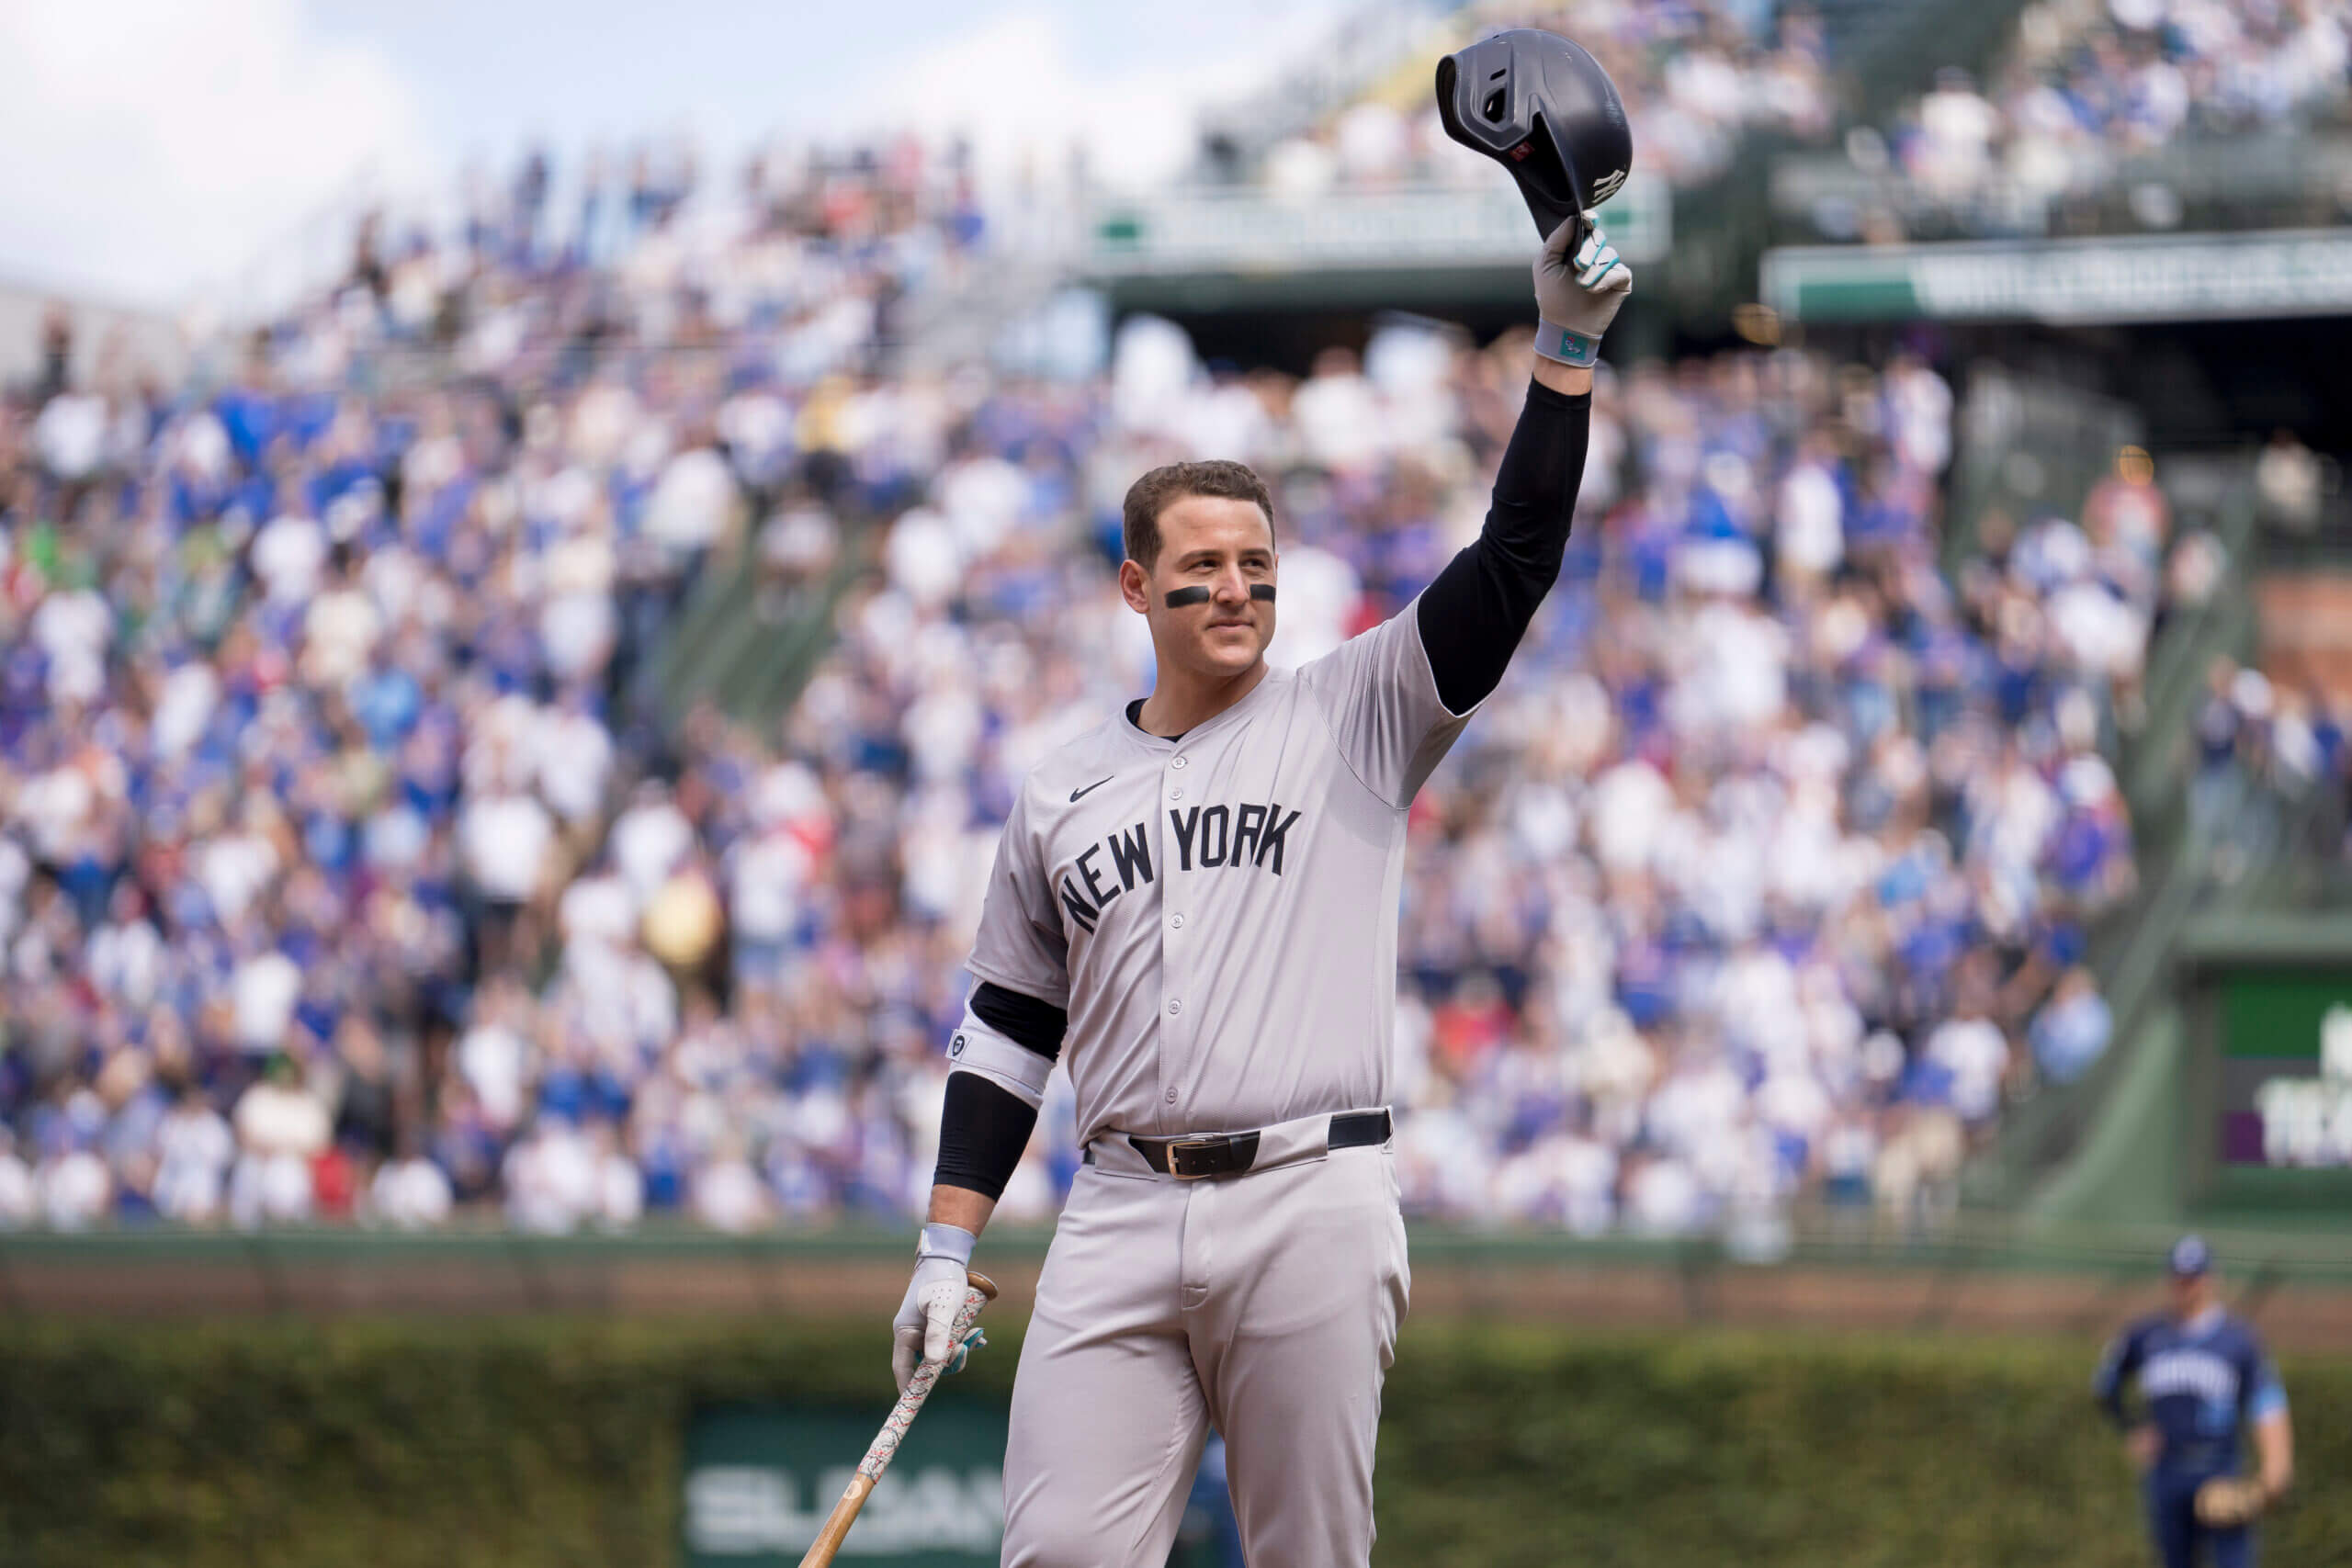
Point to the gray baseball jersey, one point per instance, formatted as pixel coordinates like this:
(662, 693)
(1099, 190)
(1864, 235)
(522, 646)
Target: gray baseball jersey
(1217, 916)
(1217, 913)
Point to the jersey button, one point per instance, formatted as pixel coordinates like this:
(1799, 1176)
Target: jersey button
(1174, 1007)
(1171, 1097)
(1176, 922)
(1176, 794)
(1177, 763)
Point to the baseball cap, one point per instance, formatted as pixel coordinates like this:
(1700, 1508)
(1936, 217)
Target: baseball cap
(2190, 1256)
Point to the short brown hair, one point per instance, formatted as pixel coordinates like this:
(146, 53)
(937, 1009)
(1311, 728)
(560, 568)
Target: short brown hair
(1219, 479)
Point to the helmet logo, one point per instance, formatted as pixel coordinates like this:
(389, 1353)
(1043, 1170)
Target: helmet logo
(1519, 154)
(1607, 186)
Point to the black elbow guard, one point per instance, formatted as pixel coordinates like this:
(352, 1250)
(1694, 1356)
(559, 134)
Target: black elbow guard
(982, 1131)
(1024, 1020)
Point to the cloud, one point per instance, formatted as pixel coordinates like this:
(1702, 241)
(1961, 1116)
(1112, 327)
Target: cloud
(147, 144)
(1017, 86)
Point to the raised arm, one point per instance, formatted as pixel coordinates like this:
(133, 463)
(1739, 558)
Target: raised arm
(1474, 615)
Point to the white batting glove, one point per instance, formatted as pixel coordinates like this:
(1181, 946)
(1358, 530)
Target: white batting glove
(921, 1330)
(1578, 293)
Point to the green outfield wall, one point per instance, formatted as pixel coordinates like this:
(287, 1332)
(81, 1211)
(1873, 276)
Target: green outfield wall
(2267, 1094)
(526, 1443)
(1830, 1269)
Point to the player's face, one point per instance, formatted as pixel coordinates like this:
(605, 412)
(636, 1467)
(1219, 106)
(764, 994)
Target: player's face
(1227, 547)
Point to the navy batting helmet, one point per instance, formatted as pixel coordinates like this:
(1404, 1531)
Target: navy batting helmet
(1543, 109)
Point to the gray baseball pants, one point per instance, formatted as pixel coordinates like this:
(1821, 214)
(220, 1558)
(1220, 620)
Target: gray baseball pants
(1265, 1304)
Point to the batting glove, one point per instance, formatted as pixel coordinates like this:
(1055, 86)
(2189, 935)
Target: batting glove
(1578, 288)
(923, 1328)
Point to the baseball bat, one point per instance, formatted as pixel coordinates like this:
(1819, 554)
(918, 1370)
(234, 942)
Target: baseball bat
(885, 1443)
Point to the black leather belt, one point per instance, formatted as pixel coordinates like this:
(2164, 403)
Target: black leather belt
(1230, 1154)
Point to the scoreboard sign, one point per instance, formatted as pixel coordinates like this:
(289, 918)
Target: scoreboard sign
(761, 1479)
(2070, 282)
(2286, 1069)
(2266, 1083)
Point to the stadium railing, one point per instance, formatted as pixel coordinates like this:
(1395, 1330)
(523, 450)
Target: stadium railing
(2048, 1142)
(1891, 52)
(1195, 249)
(2191, 639)
(729, 647)
(2274, 179)
(2030, 448)
(2257, 873)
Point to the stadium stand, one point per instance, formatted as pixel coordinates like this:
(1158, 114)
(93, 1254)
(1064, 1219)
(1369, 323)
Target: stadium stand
(522, 734)
(2133, 115)
(1695, 79)
(355, 880)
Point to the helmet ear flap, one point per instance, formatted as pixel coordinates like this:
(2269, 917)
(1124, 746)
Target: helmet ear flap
(1447, 71)
(1483, 97)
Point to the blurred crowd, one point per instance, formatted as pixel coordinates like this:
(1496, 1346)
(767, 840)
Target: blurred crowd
(2083, 88)
(350, 866)
(324, 715)
(1771, 865)
(1695, 77)
(2271, 772)
(2087, 83)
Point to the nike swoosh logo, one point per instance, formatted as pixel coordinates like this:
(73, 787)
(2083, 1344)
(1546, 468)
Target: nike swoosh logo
(1090, 789)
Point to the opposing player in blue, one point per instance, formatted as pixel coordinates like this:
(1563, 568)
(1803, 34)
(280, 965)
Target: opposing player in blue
(2202, 1376)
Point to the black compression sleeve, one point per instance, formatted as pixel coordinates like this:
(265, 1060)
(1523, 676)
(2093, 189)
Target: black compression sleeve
(1022, 1020)
(1474, 615)
(982, 1131)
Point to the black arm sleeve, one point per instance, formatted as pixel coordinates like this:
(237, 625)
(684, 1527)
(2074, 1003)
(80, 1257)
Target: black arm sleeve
(1023, 1020)
(1474, 615)
(984, 1126)
(982, 1131)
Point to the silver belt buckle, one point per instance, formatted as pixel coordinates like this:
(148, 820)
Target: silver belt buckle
(1176, 1156)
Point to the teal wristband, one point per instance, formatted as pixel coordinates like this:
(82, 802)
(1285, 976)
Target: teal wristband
(1566, 345)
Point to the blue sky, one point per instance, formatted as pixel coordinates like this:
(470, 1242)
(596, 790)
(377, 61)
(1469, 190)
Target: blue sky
(159, 150)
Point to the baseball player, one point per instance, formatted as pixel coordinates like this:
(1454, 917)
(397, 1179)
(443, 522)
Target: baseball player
(2201, 1375)
(1194, 906)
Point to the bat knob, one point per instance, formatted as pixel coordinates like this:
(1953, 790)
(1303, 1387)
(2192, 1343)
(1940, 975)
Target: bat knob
(982, 1283)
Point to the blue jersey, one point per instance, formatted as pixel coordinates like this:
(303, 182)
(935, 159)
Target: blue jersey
(2200, 1382)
